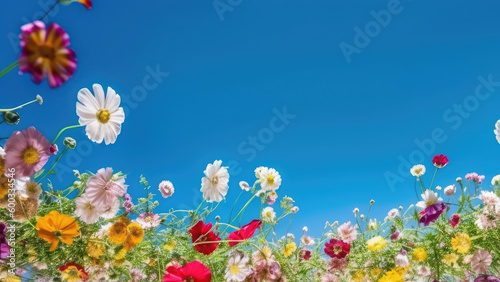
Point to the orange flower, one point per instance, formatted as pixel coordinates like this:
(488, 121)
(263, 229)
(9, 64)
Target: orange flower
(86, 3)
(118, 232)
(55, 226)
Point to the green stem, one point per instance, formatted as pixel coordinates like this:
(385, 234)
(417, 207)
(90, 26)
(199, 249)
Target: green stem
(432, 181)
(242, 209)
(57, 160)
(64, 129)
(288, 228)
(231, 214)
(9, 68)
(199, 206)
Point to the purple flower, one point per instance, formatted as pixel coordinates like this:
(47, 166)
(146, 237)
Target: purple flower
(432, 213)
(487, 278)
(4, 250)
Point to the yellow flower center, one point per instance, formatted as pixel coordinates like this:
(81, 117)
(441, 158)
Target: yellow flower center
(103, 116)
(418, 170)
(30, 155)
(2, 166)
(215, 180)
(270, 179)
(46, 52)
(337, 249)
(269, 214)
(89, 206)
(234, 269)
(72, 272)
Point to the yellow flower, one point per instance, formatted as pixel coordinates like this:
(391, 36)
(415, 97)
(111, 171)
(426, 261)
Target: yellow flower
(118, 232)
(55, 226)
(267, 252)
(375, 272)
(419, 254)
(170, 245)
(121, 254)
(450, 259)
(95, 249)
(11, 278)
(289, 249)
(358, 276)
(376, 243)
(461, 243)
(393, 276)
(136, 233)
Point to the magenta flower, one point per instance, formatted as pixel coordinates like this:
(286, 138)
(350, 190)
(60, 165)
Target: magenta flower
(455, 220)
(432, 213)
(27, 152)
(440, 161)
(45, 53)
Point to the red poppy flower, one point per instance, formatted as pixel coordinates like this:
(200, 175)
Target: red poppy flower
(246, 232)
(201, 233)
(73, 272)
(337, 248)
(440, 161)
(194, 271)
(455, 220)
(305, 254)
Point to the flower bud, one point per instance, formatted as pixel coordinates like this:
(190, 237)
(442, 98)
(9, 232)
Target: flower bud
(217, 218)
(450, 190)
(11, 118)
(459, 179)
(39, 99)
(362, 216)
(304, 229)
(69, 142)
(372, 202)
(295, 209)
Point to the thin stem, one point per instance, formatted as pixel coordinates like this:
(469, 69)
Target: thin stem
(244, 207)
(57, 160)
(199, 206)
(9, 68)
(64, 129)
(49, 10)
(231, 214)
(432, 181)
(288, 228)
(18, 107)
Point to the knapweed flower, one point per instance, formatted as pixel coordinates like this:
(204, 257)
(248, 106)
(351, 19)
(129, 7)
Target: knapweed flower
(395, 235)
(86, 211)
(166, 189)
(347, 232)
(429, 198)
(440, 161)
(238, 268)
(376, 243)
(103, 189)
(148, 220)
(419, 254)
(201, 233)
(451, 259)
(26, 151)
(270, 179)
(455, 220)
(461, 243)
(432, 213)
(417, 170)
(101, 116)
(73, 272)
(194, 271)
(475, 177)
(214, 185)
(45, 53)
(268, 215)
(450, 190)
(337, 248)
(55, 227)
(481, 261)
(246, 232)
(289, 249)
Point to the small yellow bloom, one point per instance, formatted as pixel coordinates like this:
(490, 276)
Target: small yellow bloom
(450, 259)
(376, 243)
(375, 272)
(170, 245)
(289, 249)
(397, 274)
(118, 232)
(136, 233)
(11, 278)
(358, 276)
(461, 243)
(419, 254)
(121, 254)
(95, 249)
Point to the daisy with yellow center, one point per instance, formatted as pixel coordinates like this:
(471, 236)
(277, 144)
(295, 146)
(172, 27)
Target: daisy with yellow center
(419, 254)
(268, 215)
(238, 268)
(376, 243)
(461, 243)
(289, 249)
(451, 259)
(270, 179)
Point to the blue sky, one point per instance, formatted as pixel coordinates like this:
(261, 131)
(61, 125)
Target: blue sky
(218, 76)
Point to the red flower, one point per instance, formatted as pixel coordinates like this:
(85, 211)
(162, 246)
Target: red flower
(337, 248)
(86, 3)
(201, 233)
(246, 232)
(194, 271)
(455, 220)
(305, 254)
(440, 161)
(73, 272)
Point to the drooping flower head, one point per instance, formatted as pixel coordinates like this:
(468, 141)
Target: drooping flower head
(101, 116)
(73, 272)
(337, 248)
(246, 232)
(55, 227)
(201, 233)
(193, 271)
(26, 151)
(103, 188)
(214, 185)
(440, 161)
(45, 53)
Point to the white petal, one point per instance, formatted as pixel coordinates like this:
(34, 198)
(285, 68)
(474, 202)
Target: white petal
(86, 98)
(99, 95)
(112, 100)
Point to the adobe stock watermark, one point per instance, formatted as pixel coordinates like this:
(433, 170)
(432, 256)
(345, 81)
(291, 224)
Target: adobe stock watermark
(223, 6)
(363, 35)
(44, 6)
(454, 117)
(150, 81)
(250, 147)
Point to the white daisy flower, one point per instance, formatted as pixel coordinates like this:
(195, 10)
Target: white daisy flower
(495, 180)
(393, 213)
(258, 171)
(214, 185)
(270, 179)
(429, 198)
(417, 170)
(87, 212)
(101, 116)
(497, 130)
(268, 214)
(238, 268)
(307, 240)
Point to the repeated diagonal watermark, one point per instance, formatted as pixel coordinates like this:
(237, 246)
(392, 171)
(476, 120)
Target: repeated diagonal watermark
(223, 6)
(454, 118)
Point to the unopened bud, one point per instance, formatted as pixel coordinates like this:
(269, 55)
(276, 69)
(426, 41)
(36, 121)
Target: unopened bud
(11, 118)
(69, 142)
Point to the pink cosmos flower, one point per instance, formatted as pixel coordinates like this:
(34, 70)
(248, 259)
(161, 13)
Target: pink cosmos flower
(148, 220)
(102, 189)
(26, 151)
(137, 274)
(424, 271)
(347, 232)
(481, 261)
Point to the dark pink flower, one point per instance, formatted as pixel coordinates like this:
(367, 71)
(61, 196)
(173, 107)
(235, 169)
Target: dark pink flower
(194, 271)
(202, 233)
(455, 220)
(440, 161)
(432, 213)
(305, 254)
(246, 232)
(337, 248)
